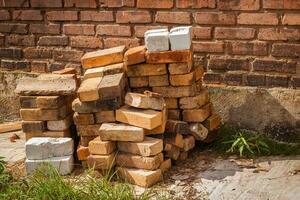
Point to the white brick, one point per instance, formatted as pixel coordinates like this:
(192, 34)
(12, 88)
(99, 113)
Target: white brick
(157, 40)
(180, 38)
(60, 125)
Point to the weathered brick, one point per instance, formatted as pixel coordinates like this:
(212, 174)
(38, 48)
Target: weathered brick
(13, 28)
(86, 42)
(234, 78)
(155, 3)
(114, 42)
(296, 81)
(213, 78)
(173, 17)
(20, 40)
(80, 3)
(279, 34)
(162, 80)
(133, 17)
(140, 30)
(291, 19)
(14, 3)
(4, 15)
(234, 33)
(55, 67)
(101, 16)
(258, 18)
(32, 15)
(46, 3)
(113, 30)
(117, 3)
(39, 66)
(139, 82)
(224, 63)
(239, 5)
(201, 32)
(2, 38)
(62, 15)
(8, 65)
(286, 50)
(10, 53)
(195, 3)
(274, 66)
(53, 41)
(281, 4)
(44, 28)
(15, 65)
(209, 47)
(79, 29)
(277, 80)
(67, 55)
(248, 48)
(254, 79)
(214, 18)
(33, 52)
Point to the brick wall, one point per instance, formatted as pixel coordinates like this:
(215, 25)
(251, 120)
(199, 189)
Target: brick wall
(239, 42)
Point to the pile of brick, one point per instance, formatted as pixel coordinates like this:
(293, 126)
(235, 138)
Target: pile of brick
(101, 92)
(46, 112)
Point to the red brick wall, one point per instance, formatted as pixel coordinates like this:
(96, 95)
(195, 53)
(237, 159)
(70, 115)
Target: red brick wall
(239, 42)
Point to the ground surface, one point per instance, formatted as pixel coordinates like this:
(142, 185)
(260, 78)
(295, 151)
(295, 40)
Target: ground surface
(206, 175)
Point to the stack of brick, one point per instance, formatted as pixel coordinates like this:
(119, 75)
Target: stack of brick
(139, 158)
(101, 92)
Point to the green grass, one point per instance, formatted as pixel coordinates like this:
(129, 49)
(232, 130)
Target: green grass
(47, 184)
(245, 143)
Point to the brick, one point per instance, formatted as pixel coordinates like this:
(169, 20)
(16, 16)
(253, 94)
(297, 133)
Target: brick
(239, 5)
(201, 32)
(105, 116)
(83, 118)
(277, 80)
(13, 28)
(14, 3)
(145, 101)
(96, 106)
(36, 114)
(180, 68)
(53, 41)
(172, 152)
(165, 165)
(148, 119)
(121, 132)
(103, 57)
(60, 125)
(50, 102)
(195, 3)
(169, 56)
(208, 47)
(225, 63)
(248, 48)
(214, 18)
(103, 71)
(67, 55)
(117, 3)
(139, 82)
(162, 80)
(183, 156)
(15, 65)
(140, 29)
(104, 162)
(161, 128)
(20, 40)
(33, 52)
(140, 162)
(174, 114)
(133, 17)
(258, 18)
(89, 89)
(157, 40)
(291, 19)
(194, 102)
(175, 126)
(128, 42)
(197, 115)
(113, 30)
(274, 66)
(100, 147)
(62, 15)
(234, 33)
(4, 15)
(67, 70)
(112, 86)
(180, 38)
(82, 153)
(84, 140)
(95, 16)
(33, 126)
(182, 79)
(28, 102)
(171, 103)
(88, 130)
(146, 70)
(134, 55)
(284, 34)
(280, 49)
(140, 177)
(10, 53)
(188, 143)
(86, 42)
(234, 78)
(44, 28)
(213, 78)
(32, 15)
(79, 29)
(199, 131)
(213, 122)
(46, 4)
(80, 3)
(173, 17)
(254, 79)
(296, 81)
(156, 4)
(281, 4)
(175, 92)
(55, 66)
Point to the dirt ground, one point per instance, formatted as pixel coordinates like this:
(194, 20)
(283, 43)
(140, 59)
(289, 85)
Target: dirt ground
(206, 175)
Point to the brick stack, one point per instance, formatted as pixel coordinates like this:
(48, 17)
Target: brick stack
(99, 95)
